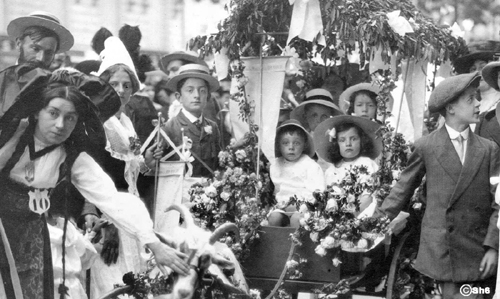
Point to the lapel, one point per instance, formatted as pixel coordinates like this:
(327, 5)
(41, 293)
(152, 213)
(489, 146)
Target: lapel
(192, 130)
(446, 154)
(472, 163)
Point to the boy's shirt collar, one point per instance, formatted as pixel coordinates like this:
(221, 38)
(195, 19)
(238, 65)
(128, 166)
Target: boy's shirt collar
(454, 133)
(191, 117)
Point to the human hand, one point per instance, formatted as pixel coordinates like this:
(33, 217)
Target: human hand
(488, 265)
(111, 245)
(167, 256)
(90, 222)
(154, 152)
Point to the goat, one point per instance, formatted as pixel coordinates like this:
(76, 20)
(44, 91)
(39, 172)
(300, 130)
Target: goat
(205, 253)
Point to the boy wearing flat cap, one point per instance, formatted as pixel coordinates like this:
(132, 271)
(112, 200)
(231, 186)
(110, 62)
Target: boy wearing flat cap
(39, 36)
(459, 239)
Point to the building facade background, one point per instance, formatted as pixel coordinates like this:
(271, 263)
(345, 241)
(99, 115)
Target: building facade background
(166, 25)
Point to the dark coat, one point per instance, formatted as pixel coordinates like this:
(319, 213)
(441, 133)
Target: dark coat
(460, 220)
(205, 146)
(488, 126)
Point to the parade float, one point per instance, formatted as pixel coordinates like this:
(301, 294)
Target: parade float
(260, 44)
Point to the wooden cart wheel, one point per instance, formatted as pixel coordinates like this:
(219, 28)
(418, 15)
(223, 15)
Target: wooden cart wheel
(391, 278)
(116, 292)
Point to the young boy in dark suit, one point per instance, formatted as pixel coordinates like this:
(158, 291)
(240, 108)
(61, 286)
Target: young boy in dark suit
(459, 237)
(193, 85)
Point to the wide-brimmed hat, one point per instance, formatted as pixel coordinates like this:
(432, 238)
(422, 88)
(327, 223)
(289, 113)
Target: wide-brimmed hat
(345, 97)
(449, 89)
(322, 137)
(490, 74)
(193, 70)
(479, 50)
(89, 131)
(317, 96)
(293, 122)
(186, 56)
(42, 19)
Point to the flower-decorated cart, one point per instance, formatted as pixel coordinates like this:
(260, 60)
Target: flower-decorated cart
(396, 41)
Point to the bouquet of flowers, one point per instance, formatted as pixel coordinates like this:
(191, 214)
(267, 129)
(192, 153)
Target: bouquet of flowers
(331, 217)
(235, 194)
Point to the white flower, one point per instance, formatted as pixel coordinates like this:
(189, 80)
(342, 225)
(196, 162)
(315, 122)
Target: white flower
(396, 174)
(329, 242)
(307, 215)
(314, 236)
(205, 199)
(351, 198)
(240, 154)
(320, 250)
(225, 195)
(303, 208)
(331, 205)
(292, 264)
(211, 191)
(336, 262)
(362, 243)
(208, 129)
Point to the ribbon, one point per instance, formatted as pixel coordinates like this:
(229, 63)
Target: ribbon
(306, 20)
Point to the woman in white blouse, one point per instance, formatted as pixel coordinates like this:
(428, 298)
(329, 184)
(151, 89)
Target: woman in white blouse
(42, 162)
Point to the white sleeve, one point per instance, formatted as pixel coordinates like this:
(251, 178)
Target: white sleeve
(315, 177)
(125, 210)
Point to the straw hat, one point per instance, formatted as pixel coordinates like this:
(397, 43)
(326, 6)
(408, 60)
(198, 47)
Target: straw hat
(293, 122)
(322, 138)
(449, 89)
(42, 19)
(480, 50)
(186, 56)
(193, 70)
(345, 97)
(318, 96)
(490, 74)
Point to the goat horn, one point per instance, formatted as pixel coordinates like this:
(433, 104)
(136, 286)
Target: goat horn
(222, 230)
(185, 214)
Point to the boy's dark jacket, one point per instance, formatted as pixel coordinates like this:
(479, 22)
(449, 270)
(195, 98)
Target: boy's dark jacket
(460, 220)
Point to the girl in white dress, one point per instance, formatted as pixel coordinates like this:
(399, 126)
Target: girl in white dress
(293, 172)
(348, 141)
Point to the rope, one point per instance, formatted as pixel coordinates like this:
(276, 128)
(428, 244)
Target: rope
(283, 273)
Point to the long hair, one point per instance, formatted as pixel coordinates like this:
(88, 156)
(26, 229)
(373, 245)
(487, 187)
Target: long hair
(366, 144)
(110, 71)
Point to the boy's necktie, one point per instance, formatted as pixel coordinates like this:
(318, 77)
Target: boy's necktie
(460, 147)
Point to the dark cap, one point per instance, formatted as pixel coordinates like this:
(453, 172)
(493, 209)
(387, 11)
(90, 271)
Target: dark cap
(451, 88)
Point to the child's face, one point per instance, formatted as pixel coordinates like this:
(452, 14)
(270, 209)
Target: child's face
(466, 109)
(315, 114)
(349, 144)
(193, 95)
(291, 146)
(364, 106)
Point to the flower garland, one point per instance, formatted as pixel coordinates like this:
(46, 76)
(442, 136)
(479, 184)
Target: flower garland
(330, 217)
(235, 194)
